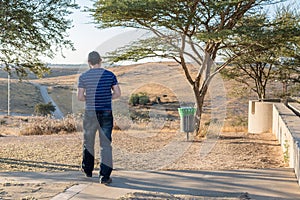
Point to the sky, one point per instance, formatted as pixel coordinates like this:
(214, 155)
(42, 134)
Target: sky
(86, 37)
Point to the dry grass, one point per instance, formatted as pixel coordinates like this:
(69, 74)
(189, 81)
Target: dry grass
(235, 129)
(62, 96)
(48, 126)
(24, 96)
(62, 81)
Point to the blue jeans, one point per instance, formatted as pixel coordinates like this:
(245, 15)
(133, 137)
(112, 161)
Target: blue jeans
(103, 122)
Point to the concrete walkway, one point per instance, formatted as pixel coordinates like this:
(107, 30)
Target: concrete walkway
(264, 184)
(47, 98)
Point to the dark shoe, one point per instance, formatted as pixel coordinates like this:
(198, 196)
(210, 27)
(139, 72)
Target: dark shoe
(105, 181)
(87, 174)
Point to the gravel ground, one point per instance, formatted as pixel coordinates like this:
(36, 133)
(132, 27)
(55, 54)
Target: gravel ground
(170, 151)
(133, 150)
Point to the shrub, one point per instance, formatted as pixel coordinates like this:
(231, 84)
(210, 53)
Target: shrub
(44, 109)
(47, 126)
(134, 99)
(143, 99)
(3, 122)
(139, 99)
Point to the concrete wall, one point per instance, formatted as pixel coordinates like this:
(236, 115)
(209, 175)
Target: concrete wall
(286, 127)
(260, 117)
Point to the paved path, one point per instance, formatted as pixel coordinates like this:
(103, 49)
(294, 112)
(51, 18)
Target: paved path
(295, 107)
(47, 98)
(264, 184)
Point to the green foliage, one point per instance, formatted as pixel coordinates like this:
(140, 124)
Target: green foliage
(210, 22)
(140, 114)
(271, 49)
(139, 99)
(31, 30)
(44, 109)
(3, 122)
(134, 99)
(295, 89)
(143, 99)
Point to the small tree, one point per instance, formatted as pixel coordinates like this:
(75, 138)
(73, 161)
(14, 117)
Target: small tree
(288, 72)
(44, 109)
(271, 54)
(259, 58)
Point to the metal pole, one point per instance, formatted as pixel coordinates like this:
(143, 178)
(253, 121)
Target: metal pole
(8, 94)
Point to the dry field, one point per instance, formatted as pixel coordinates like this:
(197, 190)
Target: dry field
(24, 96)
(136, 144)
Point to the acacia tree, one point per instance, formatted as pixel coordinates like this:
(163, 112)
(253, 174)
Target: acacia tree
(184, 30)
(288, 72)
(259, 58)
(31, 30)
(272, 54)
(288, 76)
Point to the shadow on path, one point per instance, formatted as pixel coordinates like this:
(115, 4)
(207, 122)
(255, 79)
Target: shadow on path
(259, 183)
(264, 184)
(40, 165)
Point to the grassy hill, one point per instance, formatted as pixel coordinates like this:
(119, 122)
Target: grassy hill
(158, 80)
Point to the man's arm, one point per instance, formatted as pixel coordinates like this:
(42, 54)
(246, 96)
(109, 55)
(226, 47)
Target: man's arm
(116, 91)
(81, 94)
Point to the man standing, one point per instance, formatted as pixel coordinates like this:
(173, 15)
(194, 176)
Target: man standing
(97, 87)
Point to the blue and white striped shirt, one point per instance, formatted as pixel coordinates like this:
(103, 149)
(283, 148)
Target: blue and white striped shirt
(97, 83)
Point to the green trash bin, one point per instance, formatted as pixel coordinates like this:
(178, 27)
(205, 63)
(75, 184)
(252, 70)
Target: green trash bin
(187, 122)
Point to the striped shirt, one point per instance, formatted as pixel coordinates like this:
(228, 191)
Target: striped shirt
(97, 83)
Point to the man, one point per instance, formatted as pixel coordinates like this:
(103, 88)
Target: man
(97, 87)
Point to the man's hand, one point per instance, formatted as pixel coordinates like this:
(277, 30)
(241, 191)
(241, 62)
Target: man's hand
(81, 94)
(116, 91)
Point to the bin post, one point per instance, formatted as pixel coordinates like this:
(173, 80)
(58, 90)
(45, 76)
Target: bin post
(187, 123)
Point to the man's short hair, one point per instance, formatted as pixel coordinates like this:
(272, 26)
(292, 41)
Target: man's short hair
(94, 58)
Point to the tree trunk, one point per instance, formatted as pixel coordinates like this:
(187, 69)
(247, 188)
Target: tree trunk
(261, 93)
(284, 92)
(199, 96)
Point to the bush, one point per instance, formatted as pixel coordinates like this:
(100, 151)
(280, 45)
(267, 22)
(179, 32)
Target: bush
(143, 99)
(139, 99)
(44, 109)
(134, 99)
(3, 122)
(47, 126)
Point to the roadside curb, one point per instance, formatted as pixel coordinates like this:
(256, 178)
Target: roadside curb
(71, 192)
